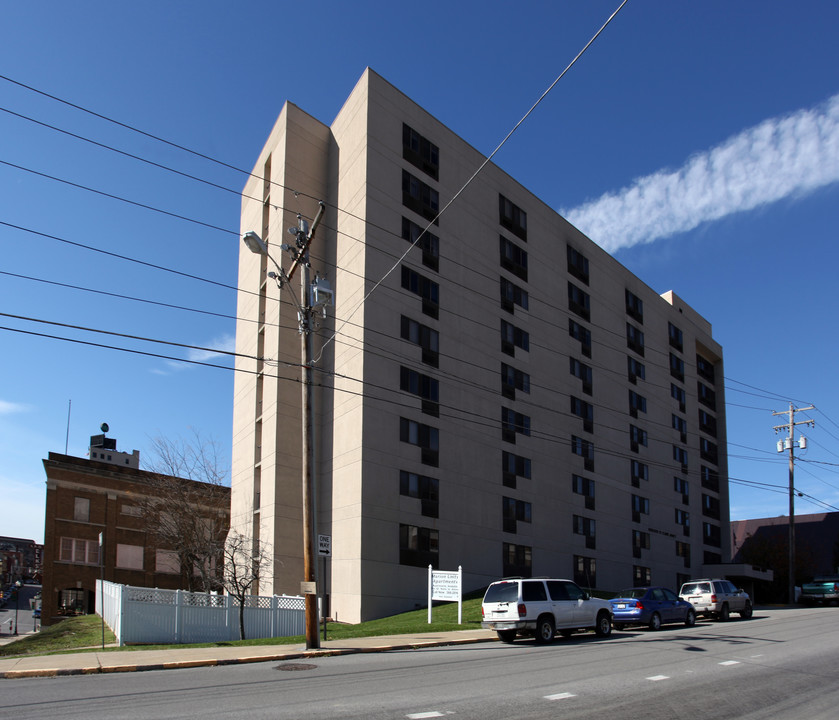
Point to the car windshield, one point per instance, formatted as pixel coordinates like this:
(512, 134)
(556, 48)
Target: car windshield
(502, 592)
(634, 593)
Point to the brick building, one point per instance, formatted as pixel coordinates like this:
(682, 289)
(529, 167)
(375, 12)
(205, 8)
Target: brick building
(89, 497)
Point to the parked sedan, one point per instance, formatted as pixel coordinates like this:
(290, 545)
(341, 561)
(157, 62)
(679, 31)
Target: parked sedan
(650, 606)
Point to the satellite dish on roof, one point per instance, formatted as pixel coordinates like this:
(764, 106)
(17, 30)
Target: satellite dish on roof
(104, 427)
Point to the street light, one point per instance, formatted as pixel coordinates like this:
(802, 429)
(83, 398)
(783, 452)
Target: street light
(17, 601)
(313, 296)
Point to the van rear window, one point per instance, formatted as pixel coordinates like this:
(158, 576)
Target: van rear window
(502, 592)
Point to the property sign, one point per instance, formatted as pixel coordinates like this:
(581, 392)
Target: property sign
(446, 585)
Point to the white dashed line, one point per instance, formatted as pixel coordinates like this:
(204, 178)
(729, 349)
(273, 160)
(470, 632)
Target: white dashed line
(422, 715)
(730, 662)
(560, 696)
(656, 678)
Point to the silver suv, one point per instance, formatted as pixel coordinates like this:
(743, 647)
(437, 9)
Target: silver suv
(716, 598)
(539, 607)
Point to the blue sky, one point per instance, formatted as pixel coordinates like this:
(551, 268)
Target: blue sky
(698, 142)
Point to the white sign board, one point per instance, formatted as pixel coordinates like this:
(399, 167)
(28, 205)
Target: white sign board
(446, 585)
(325, 545)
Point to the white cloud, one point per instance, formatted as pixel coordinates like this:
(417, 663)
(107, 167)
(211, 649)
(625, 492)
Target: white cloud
(781, 157)
(221, 345)
(9, 408)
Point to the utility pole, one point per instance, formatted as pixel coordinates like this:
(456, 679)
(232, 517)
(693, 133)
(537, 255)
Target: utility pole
(314, 295)
(788, 443)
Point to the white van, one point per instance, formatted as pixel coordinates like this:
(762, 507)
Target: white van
(540, 607)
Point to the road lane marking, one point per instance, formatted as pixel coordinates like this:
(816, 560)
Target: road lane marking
(423, 715)
(656, 678)
(560, 696)
(730, 662)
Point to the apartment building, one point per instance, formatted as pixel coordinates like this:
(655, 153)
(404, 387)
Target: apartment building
(506, 397)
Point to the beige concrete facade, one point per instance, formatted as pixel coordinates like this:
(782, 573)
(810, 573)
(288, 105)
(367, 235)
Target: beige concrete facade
(491, 500)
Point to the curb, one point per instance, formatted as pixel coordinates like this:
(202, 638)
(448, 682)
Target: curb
(219, 662)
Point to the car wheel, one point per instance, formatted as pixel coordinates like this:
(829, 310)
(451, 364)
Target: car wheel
(545, 630)
(566, 633)
(724, 614)
(506, 636)
(655, 622)
(690, 618)
(603, 628)
(746, 613)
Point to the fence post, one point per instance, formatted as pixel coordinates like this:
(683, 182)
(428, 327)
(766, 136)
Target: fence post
(178, 615)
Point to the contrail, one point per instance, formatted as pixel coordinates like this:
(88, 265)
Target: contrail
(782, 157)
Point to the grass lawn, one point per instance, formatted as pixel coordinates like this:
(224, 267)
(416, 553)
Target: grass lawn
(84, 633)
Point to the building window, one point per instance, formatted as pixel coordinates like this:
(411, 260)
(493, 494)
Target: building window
(707, 423)
(512, 338)
(637, 403)
(129, 557)
(516, 560)
(681, 425)
(131, 510)
(682, 486)
(584, 449)
(585, 487)
(708, 450)
(79, 552)
(513, 258)
(634, 339)
(634, 306)
(513, 512)
(640, 506)
(637, 437)
(583, 410)
(680, 455)
(640, 541)
(81, 509)
(512, 217)
(425, 337)
(641, 576)
(577, 264)
(512, 295)
(579, 301)
(710, 478)
(679, 395)
(513, 466)
(167, 562)
(423, 386)
(585, 571)
(513, 422)
(585, 526)
(512, 380)
(683, 519)
(578, 332)
(706, 396)
(419, 197)
(675, 336)
(426, 288)
(710, 506)
(635, 369)
(711, 534)
(425, 437)
(683, 551)
(418, 546)
(677, 367)
(704, 368)
(425, 489)
(638, 471)
(428, 242)
(583, 372)
(420, 151)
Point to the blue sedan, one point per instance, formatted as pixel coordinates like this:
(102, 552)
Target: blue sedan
(650, 606)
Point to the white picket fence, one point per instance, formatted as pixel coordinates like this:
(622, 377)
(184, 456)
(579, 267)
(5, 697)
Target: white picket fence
(150, 615)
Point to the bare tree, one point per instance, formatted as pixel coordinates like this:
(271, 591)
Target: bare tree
(245, 559)
(187, 507)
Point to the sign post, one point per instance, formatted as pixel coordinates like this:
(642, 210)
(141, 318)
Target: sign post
(446, 585)
(324, 551)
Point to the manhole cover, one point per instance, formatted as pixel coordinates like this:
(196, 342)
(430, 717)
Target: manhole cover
(296, 666)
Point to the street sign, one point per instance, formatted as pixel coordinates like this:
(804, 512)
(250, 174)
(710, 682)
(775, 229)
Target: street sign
(325, 545)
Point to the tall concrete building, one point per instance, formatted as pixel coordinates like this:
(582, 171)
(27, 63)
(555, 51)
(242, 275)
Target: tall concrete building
(506, 397)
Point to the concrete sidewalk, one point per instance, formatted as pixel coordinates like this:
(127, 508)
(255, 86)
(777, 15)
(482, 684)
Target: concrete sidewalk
(173, 658)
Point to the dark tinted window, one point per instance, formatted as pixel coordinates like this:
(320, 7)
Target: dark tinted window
(557, 590)
(502, 592)
(533, 591)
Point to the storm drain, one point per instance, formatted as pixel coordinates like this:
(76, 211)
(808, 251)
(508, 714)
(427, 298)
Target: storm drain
(289, 667)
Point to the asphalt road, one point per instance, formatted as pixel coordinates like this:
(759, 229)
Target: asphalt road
(783, 663)
(26, 622)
